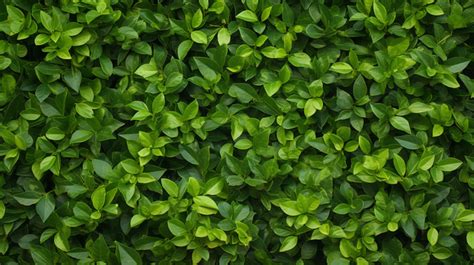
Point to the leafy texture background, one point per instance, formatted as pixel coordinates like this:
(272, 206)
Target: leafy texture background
(236, 132)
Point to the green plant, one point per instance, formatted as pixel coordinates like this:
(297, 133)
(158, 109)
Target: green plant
(236, 132)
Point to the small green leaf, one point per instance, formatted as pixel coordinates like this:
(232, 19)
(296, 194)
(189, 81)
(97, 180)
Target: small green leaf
(158, 103)
(426, 162)
(341, 68)
(199, 36)
(449, 164)
(177, 227)
(80, 136)
(288, 243)
(84, 110)
(434, 10)
(98, 197)
(312, 105)
(223, 36)
(409, 142)
(127, 255)
(207, 68)
(380, 11)
(170, 187)
(272, 88)
(243, 144)
(399, 164)
(137, 220)
(432, 236)
(183, 48)
(102, 168)
(300, 59)
(274, 53)
(4, 62)
(45, 207)
(27, 198)
(400, 123)
(419, 107)
(470, 239)
(248, 16)
(290, 208)
(46, 21)
(47, 163)
(197, 19)
(2, 209)
(205, 202)
(159, 207)
(146, 70)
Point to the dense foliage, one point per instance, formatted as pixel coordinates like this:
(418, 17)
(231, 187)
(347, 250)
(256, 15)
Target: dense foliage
(236, 132)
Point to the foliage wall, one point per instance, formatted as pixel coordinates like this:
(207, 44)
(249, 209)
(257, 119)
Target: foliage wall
(236, 132)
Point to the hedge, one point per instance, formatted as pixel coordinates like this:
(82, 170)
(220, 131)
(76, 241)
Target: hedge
(237, 132)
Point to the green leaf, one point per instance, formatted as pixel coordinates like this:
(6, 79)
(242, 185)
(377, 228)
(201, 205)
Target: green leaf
(98, 197)
(206, 205)
(131, 166)
(244, 92)
(448, 80)
(127, 255)
(400, 123)
(102, 168)
(137, 220)
(344, 100)
(27, 198)
(419, 107)
(146, 70)
(272, 88)
(432, 236)
(380, 11)
(449, 164)
(41, 255)
(409, 142)
(288, 243)
(399, 164)
(248, 16)
(159, 207)
(170, 187)
(214, 186)
(199, 36)
(46, 21)
(4, 62)
(191, 111)
(312, 105)
(84, 110)
(290, 208)
(158, 103)
(359, 88)
(243, 144)
(45, 207)
(426, 162)
(434, 10)
(193, 186)
(300, 59)
(274, 53)
(223, 36)
(80, 136)
(183, 49)
(47, 163)
(197, 19)
(176, 227)
(2, 209)
(207, 68)
(106, 65)
(341, 68)
(470, 239)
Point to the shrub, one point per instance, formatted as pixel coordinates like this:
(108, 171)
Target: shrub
(236, 132)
